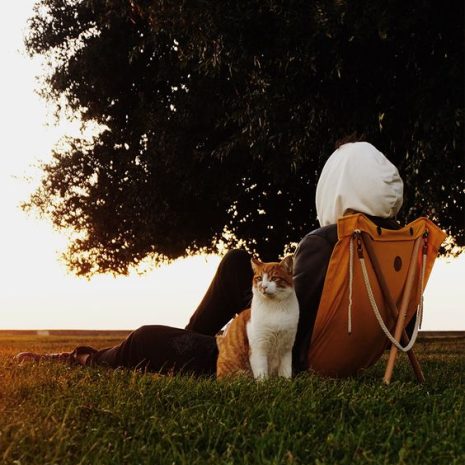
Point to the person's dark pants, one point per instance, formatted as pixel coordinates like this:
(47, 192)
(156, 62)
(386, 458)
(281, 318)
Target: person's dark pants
(192, 350)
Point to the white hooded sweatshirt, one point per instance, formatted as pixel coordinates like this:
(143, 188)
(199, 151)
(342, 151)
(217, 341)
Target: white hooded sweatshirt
(358, 177)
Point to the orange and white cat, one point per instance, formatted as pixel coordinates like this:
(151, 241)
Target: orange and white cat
(259, 340)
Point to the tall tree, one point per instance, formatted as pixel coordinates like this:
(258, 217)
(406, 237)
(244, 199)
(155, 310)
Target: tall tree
(217, 117)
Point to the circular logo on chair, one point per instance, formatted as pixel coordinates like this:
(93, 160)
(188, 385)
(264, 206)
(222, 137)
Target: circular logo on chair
(397, 263)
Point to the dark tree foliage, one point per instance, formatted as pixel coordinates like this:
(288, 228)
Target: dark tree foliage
(219, 115)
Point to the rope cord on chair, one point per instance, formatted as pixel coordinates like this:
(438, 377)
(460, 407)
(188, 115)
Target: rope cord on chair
(351, 282)
(419, 313)
(374, 306)
(422, 285)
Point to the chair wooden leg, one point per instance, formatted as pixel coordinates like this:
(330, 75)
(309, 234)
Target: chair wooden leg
(415, 364)
(409, 283)
(413, 360)
(392, 306)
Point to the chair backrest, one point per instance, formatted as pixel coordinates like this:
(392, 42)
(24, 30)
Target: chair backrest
(347, 337)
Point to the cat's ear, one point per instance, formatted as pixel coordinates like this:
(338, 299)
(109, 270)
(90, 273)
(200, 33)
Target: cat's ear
(256, 264)
(287, 263)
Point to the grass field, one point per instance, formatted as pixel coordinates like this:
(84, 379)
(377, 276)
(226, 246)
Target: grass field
(55, 414)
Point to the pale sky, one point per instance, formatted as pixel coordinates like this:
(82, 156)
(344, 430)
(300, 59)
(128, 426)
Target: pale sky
(37, 292)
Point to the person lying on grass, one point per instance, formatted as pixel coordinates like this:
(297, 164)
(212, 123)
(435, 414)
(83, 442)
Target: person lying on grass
(356, 178)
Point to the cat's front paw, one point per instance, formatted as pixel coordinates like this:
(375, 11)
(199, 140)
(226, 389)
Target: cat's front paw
(285, 371)
(261, 376)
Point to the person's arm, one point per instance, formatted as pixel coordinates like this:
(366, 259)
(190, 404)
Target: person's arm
(310, 264)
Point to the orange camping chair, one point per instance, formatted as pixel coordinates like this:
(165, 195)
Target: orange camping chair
(373, 288)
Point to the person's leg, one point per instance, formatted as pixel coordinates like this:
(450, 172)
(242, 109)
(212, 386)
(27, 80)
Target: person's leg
(161, 349)
(229, 293)
(77, 357)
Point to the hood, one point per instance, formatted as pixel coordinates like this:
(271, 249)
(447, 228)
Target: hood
(358, 177)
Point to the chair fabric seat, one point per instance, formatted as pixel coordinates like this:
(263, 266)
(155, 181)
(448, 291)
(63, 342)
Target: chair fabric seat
(333, 351)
